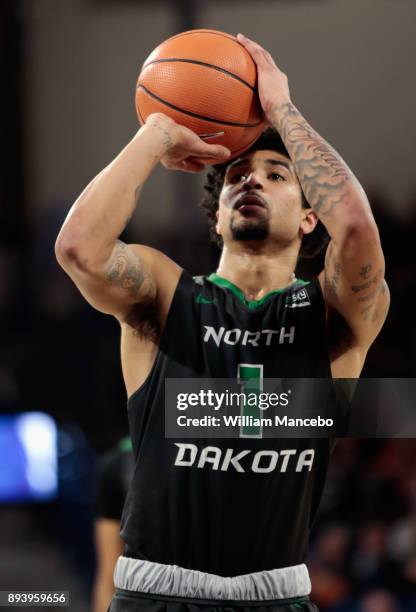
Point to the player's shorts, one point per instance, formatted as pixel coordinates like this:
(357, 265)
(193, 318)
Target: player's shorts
(154, 587)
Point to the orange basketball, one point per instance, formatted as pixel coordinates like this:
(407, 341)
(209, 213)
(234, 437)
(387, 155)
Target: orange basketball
(207, 81)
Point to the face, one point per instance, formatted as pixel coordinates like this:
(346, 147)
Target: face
(261, 200)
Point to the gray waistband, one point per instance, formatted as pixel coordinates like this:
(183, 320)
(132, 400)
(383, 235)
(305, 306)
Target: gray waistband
(159, 579)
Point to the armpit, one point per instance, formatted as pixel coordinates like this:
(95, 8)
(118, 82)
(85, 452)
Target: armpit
(144, 318)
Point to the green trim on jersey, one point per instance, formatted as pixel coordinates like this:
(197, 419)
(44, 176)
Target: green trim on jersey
(200, 299)
(252, 304)
(125, 444)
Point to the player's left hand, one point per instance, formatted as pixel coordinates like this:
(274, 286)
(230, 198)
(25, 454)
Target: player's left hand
(272, 82)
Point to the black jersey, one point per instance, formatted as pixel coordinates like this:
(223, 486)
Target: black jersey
(234, 520)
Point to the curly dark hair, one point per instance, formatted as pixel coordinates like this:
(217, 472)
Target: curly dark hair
(312, 244)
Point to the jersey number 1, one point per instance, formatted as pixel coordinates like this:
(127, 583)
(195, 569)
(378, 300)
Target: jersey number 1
(250, 378)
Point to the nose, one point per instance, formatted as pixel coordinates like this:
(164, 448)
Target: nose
(252, 182)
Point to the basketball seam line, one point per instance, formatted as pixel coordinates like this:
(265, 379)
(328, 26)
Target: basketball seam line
(189, 61)
(191, 114)
(205, 30)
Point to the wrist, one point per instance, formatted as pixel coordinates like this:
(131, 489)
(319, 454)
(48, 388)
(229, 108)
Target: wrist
(162, 131)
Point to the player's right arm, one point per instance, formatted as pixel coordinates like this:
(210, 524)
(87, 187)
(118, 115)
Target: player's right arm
(111, 275)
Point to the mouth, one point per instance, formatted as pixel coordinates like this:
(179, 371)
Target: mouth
(249, 201)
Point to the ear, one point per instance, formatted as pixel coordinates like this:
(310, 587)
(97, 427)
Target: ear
(216, 225)
(308, 221)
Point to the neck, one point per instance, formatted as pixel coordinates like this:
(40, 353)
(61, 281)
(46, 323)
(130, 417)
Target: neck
(256, 272)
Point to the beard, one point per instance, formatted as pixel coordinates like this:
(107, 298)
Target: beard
(256, 229)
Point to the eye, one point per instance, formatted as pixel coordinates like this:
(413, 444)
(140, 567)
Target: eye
(275, 176)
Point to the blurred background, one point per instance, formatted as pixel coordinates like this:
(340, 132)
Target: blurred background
(69, 69)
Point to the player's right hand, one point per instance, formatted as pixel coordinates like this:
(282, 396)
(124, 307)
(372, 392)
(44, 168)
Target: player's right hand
(184, 150)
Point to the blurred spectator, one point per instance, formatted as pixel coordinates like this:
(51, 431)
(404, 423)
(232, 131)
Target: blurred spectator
(379, 601)
(402, 540)
(331, 585)
(365, 534)
(370, 564)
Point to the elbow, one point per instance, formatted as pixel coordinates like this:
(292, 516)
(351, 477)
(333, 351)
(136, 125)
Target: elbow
(360, 226)
(359, 234)
(61, 249)
(69, 252)
(79, 254)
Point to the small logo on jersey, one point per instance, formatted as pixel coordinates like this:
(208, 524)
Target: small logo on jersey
(298, 299)
(200, 299)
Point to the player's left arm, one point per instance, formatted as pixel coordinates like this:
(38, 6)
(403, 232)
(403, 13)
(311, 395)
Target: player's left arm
(353, 278)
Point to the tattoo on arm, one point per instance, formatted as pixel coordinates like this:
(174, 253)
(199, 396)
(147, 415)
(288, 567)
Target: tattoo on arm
(325, 178)
(377, 285)
(331, 281)
(331, 284)
(368, 301)
(365, 271)
(369, 296)
(363, 286)
(167, 138)
(126, 270)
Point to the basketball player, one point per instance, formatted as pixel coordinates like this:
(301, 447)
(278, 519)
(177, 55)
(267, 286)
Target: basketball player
(223, 524)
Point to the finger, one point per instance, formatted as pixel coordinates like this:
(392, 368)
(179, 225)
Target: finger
(191, 165)
(215, 151)
(256, 51)
(247, 42)
(243, 37)
(186, 165)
